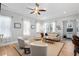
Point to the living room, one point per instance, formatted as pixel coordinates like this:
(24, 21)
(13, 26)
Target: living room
(17, 22)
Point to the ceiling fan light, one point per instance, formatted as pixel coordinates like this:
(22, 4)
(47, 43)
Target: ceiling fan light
(35, 12)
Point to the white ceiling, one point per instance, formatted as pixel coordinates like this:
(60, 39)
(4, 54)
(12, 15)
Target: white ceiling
(53, 9)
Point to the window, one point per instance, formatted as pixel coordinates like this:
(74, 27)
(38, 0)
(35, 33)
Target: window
(38, 27)
(5, 23)
(53, 26)
(45, 27)
(49, 27)
(26, 28)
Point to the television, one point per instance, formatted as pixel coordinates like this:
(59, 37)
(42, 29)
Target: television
(70, 30)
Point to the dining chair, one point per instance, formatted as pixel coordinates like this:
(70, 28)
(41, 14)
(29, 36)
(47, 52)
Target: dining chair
(75, 41)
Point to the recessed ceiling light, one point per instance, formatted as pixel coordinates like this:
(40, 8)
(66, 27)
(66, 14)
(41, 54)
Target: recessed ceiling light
(65, 12)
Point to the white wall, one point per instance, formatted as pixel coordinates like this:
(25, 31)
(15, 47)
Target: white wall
(17, 32)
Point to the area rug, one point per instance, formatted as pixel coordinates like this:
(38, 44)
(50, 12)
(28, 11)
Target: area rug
(53, 49)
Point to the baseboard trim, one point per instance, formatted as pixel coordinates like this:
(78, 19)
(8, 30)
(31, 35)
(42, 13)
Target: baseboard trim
(8, 43)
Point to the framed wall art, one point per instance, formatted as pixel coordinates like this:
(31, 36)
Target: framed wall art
(32, 26)
(17, 25)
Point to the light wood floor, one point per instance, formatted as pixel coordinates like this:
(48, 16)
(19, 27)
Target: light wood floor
(68, 48)
(10, 51)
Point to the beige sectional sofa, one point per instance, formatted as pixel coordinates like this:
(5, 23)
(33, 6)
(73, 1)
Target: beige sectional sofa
(53, 36)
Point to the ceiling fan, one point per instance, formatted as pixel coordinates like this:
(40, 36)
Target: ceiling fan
(36, 10)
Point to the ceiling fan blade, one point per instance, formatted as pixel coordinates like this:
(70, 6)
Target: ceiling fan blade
(37, 4)
(42, 10)
(38, 13)
(29, 8)
(31, 12)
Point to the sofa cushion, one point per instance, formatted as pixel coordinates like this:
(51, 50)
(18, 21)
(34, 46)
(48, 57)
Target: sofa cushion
(52, 34)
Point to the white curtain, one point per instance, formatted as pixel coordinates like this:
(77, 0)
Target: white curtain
(38, 27)
(26, 27)
(45, 27)
(5, 23)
